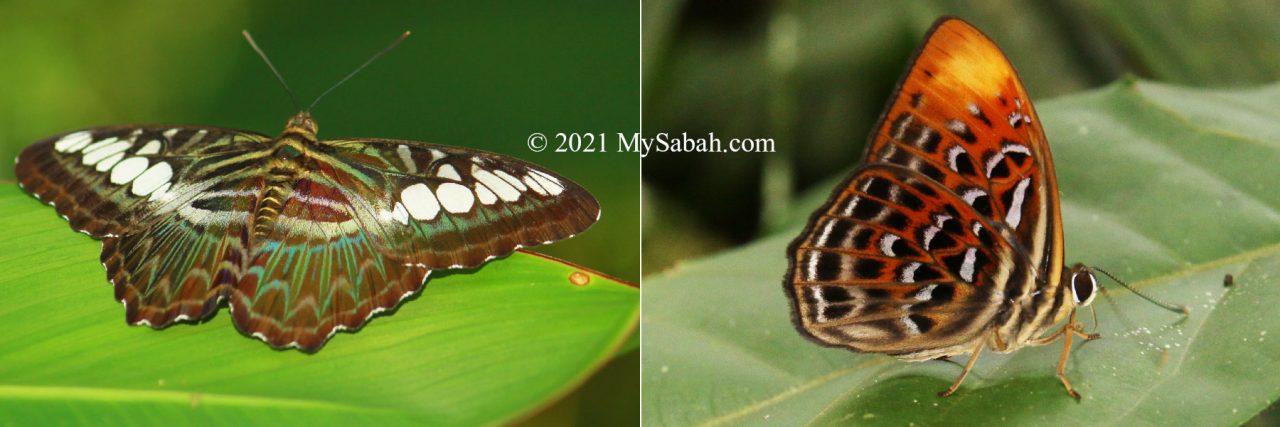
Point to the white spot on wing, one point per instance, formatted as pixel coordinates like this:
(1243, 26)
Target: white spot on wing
(498, 185)
(971, 195)
(850, 206)
(73, 142)
(200, 134)
(420, 201)
(813, 265)
(487, 197)
(152, 146)
(929, 234)
(909, 273)
(910, 325)
(902, 128)
(926, 293)
(966, 268)
(107, 163)
(436, 154)
(160, 192)
(399, 214)
(406, 157)
(511, 179)
(105, 151)
(826, 233)
(534, 185)
(925, 134)
(548, 182)
(128, 169)
(152, 178)
(993, 162)
(817, 293)
(886, 244)
(1014, 216)
(448, 172)
(1014, 117)
(99, 144)
(952, 155)
(455, 198)
(1015, 148)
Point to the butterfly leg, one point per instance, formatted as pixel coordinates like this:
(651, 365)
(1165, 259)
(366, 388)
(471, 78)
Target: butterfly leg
(1079, 330)
(973, 358)
(1052, 337)
(1066, 351)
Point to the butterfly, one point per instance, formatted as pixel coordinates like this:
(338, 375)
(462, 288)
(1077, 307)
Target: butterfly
(947, 239)
(300, 237)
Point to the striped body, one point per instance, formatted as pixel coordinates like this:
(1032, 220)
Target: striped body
(301, 237)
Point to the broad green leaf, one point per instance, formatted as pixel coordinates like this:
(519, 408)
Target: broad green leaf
(1169, 188)
(476, 347)
(1195, 42)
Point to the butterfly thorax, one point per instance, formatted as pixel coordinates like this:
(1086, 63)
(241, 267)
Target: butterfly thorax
(1016, 328)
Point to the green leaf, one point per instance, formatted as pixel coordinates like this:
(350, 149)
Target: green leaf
(1170, 188)
(477, 347)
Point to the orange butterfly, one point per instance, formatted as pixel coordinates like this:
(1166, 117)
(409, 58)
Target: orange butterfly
(948, 238)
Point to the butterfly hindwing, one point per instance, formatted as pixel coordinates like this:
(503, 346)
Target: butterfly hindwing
(894, 265)
(949, 229)
(318, 270)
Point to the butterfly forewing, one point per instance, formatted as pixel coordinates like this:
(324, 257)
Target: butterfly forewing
(303, 238)
(94, 177)
(447, 207)
(949, 229)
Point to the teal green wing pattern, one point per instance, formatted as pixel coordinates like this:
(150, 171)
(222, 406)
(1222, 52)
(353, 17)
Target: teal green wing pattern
(355, 232)
(301, 238)
(166, 204)
(317, 271)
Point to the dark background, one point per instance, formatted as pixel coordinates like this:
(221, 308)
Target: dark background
(814, 75)
(473, 74)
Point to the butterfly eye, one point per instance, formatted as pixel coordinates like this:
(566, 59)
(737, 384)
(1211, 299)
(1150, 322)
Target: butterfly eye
(1083, 287)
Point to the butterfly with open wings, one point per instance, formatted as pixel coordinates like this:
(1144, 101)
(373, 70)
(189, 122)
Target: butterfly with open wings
(301, 237)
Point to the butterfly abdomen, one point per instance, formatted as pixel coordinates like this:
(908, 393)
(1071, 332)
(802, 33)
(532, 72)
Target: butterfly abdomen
(268, 206)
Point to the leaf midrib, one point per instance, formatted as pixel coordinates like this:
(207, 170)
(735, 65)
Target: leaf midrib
(100, 394)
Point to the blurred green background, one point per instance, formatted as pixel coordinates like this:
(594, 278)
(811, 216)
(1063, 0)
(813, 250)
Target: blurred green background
(473, 74)
(814, 75)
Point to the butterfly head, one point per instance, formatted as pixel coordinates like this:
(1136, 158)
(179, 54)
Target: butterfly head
(1084, 286)
(302, 123)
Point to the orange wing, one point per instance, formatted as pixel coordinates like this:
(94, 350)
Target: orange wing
(962, 117)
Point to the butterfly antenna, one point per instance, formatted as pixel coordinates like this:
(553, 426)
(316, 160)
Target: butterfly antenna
(361, 67)
(1178, 308)
(255, 47)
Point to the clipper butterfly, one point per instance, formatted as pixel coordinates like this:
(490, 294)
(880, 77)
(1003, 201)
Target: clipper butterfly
(301, 237)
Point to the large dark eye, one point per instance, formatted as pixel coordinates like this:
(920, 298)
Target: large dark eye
(1083, 287)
